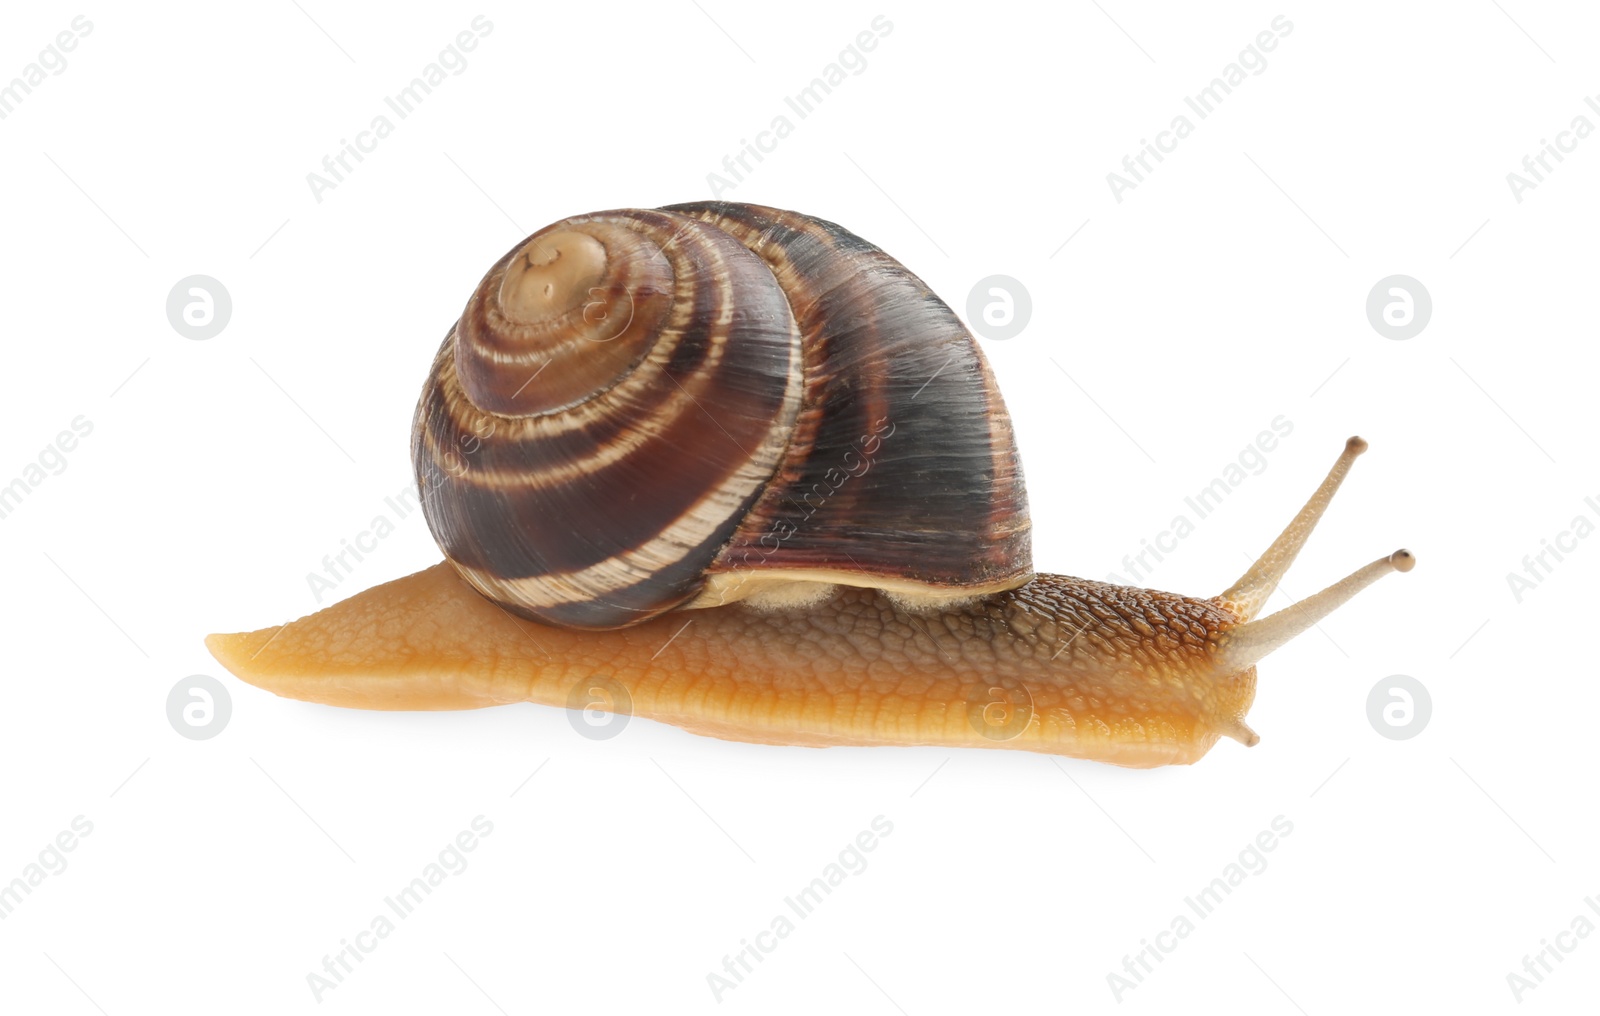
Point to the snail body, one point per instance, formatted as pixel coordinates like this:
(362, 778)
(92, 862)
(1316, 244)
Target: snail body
(738, 470)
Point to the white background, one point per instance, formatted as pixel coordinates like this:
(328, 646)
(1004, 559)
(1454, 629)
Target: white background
(1227, 289)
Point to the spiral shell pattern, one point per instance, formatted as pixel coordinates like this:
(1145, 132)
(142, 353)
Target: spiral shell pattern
(641, 410)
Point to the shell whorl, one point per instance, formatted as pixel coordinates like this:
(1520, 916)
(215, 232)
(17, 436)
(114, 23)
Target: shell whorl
(641, 410)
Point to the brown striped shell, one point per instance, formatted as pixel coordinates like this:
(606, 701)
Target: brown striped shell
(643, 410)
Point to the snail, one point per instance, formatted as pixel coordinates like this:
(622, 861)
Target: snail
(736, 469)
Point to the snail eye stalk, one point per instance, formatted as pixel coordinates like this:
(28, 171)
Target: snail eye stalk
(1244, 645)
(1247, 596)
(1248, 643)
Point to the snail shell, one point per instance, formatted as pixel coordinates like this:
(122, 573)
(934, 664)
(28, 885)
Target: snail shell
(646, 410)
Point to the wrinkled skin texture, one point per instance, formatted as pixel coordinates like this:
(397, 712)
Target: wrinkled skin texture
(1059, 665)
